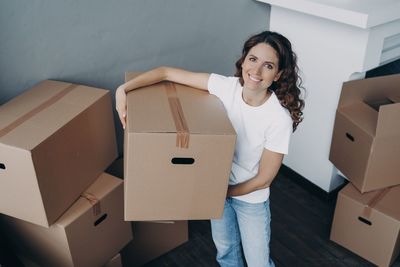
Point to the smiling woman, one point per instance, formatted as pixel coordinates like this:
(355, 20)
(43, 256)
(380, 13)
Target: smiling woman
(264, 106)
(288, 83)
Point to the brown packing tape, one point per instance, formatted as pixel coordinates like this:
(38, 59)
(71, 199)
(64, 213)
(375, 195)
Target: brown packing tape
(94, 201)
(182, 130)
(36, 110)
(366, 213)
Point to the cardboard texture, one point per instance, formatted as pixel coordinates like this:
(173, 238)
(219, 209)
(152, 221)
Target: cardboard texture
(365, 143)
(79, 237)
(116, 261)
(372, 233)
(153, 239)
(55, 140)
(163, 179)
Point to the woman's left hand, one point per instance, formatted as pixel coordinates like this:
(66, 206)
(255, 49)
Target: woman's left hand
(120, 104)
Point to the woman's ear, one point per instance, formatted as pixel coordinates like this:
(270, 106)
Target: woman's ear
(277, 76)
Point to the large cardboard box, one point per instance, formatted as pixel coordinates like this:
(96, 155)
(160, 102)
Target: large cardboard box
(55, 140)
(153, 239)
(178, 153)
(368, 224)
(365, 144)
(88, 234)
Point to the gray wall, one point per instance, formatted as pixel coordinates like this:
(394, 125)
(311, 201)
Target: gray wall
(94, 42)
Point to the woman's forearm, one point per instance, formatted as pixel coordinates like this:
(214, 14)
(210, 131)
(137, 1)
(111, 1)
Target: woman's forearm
(192, 79)
(269, 166)
(249, 186)
(146, 78)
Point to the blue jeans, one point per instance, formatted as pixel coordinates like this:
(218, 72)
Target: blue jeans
(247, 225)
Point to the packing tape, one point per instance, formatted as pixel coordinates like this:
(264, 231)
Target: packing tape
(182, 130)
(94, 201)
(36, 110)
(366, 213)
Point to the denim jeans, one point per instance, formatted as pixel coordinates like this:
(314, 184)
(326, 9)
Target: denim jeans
(247, 225)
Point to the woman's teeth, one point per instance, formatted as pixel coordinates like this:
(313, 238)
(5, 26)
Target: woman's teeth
(254, 79)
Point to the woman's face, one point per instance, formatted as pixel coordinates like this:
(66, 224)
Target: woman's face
(260, 67)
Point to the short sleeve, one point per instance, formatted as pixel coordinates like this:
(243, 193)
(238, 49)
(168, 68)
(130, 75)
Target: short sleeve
(277, 137)
(221, 86)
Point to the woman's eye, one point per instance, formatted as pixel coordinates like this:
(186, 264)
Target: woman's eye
(252, 59)
(269, 66)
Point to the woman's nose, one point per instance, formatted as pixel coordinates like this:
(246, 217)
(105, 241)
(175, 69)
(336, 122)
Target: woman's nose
(258, 68)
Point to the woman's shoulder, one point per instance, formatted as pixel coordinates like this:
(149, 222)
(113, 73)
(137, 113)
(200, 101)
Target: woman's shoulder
(219, 82)
(223, 78)
(280, 113)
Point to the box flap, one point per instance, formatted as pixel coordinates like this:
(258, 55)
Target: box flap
(204, 113)
(389, 120)
(361, 115)
(388, 204)
(104, 184)
(369, 89)
(42, 123)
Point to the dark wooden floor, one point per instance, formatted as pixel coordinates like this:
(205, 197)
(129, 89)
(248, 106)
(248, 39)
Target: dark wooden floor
(301, 224)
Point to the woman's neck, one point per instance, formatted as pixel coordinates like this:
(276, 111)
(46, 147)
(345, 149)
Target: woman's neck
(255, 98)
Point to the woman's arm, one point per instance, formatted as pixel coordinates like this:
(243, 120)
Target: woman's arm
(269, 166)
(192, 79)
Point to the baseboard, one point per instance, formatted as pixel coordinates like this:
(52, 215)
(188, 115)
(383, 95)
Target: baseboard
(309, 186)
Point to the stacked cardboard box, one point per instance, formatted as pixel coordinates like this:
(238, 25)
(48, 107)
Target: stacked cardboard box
(56, 140)
(365, 147)
(153, 239)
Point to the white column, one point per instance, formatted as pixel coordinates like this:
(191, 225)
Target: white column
(335, 41)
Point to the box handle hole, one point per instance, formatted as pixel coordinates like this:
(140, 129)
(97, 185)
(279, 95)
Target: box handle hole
(2, 166)
(350, 137)
(99, 220)
(182, 161)
(364, 220)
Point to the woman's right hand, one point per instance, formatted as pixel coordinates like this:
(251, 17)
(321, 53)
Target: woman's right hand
(120, 104)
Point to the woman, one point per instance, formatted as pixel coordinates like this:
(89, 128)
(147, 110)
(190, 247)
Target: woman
(263, 103)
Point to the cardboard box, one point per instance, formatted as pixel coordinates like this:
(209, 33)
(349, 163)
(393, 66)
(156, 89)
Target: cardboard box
(88, 234)
(368, 224)
(153, 239)
(55, 140)
(116, 261)
(365, 143)
(178, 152)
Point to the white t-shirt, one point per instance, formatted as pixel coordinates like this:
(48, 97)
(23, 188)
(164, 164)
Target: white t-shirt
(266, 126)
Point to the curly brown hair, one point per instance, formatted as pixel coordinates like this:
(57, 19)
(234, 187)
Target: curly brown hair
(288, 87)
